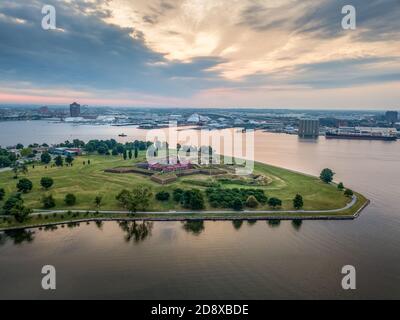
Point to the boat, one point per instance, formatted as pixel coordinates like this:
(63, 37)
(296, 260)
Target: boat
(361, 134)
(122, 135)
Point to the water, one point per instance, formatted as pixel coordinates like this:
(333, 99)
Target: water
(14, 132)
(217, 260)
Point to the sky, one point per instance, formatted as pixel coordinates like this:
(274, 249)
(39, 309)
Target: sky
(201, 53)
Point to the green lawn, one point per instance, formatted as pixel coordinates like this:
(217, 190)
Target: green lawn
(87, 181)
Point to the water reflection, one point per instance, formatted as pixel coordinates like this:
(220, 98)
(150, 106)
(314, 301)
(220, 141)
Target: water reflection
(72, 225)
(237, 224)
(50, 228)
(274, 223)
(99, 224)
(194, 226)
(297, 224)
(136, 231)
(251, 222)
(17, 236)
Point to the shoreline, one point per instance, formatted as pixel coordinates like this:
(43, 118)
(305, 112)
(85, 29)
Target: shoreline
(42, 218)
(198, 217)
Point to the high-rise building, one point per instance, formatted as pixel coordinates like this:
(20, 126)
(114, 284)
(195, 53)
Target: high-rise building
(75, 109)
(392, 117)
(309, 128)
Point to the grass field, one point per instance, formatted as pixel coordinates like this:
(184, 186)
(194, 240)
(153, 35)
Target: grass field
(88, 181)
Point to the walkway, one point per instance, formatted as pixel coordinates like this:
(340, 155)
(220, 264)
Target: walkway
(348, 206)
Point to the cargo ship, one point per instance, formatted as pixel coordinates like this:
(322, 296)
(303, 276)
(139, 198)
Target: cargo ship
(358, 133)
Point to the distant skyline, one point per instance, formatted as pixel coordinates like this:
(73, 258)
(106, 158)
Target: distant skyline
(290, 54)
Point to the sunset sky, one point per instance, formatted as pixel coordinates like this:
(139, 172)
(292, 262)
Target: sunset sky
(201, 53)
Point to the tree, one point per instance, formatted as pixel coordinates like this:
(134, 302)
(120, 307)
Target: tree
(26, 152)
(114, 152)
(20, 212)
(45, 158)
(24, 185)
(59, 161)
(348, 193)
(46, 182)
(137, 199)
(177, 195)
(11, 202)
(48, 202)
(162, 196)
(12, 156)
(130, 154)
(238, 204)
(340, 186)
(98, 200)
(125, 155)
(5, 162)
(298, 202)
(136, 153)
(2, 194)
(19, 146)
(224, 198)
(327, 175)
(69, 159)
(252, 202)
(120, 148)
(102, 149)
(78, 143)
(15, 206)
(124, 198)
(193, 199)
(70, 199)
(274, 202)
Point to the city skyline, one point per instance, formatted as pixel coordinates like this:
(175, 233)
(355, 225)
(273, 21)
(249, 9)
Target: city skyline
(212, 54)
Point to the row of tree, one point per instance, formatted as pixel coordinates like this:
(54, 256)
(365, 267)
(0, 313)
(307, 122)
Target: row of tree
(25, 185)
(235, 198)
(70, 199)
(139, 198)
(128, 149)
(45, 158)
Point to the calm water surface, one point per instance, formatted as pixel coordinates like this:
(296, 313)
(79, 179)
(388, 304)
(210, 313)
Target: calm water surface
(220, 260)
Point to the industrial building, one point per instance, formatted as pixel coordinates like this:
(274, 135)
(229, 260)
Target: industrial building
(309, 128)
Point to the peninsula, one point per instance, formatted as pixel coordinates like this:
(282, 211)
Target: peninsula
(95, 182)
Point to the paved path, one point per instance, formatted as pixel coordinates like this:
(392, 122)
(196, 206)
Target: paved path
(348, 206)
(5, 169)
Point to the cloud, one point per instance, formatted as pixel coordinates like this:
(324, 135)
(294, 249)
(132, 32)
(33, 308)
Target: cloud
(89, 53)
(182, 50)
